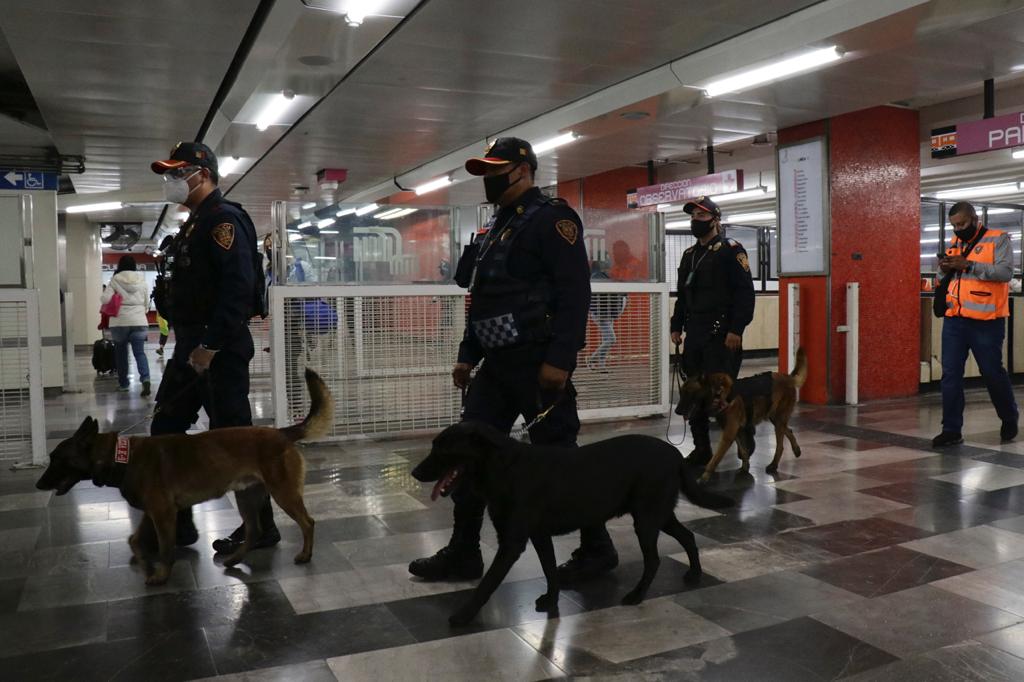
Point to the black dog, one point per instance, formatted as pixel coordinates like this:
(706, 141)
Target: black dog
(534, 492)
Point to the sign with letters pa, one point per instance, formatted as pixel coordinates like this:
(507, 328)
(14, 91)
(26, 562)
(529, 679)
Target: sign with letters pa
(985, 135)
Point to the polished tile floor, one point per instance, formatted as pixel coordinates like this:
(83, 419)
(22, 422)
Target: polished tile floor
(871, 557)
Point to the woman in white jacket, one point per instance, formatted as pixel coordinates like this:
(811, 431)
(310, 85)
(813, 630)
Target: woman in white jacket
(130, 325)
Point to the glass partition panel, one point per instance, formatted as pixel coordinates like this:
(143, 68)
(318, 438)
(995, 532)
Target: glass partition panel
(1009, 220)
(618, 243)
(747, 236)
(931, 236)
(389, 245)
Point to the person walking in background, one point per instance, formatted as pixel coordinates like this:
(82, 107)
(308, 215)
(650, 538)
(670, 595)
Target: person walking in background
(165, 331)
(605, 308)
(129, 325)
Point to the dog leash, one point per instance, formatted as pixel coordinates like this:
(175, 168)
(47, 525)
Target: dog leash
(520, 434)
(677, 374)
(156, 410)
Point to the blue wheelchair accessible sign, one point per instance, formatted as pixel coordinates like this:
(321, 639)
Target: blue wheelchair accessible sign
(12, 178)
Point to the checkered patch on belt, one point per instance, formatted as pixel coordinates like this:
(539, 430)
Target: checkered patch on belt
(496, 332)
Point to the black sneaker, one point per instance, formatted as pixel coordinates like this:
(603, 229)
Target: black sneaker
(229, 544)
(586, 565)
(947, 438)
(145, 389)
(450, 563)
(1008, 431)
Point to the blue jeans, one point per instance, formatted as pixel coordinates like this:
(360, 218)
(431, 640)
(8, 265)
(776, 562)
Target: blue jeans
(606, 327)
(122, 337)
(983, 338)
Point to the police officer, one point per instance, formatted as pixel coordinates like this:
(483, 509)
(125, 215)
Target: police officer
(215, 286)
(529, 282)
(714, 304)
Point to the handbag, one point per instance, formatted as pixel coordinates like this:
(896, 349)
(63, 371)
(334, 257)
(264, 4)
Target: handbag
(113, 306)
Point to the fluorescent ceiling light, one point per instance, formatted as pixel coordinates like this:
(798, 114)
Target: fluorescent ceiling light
(387, 213)
(1017, 154)
(676, 224)
(759, 192)
(326, 222)
(433, 184)
(308, 205)
(182, 215)
(274, 110)
(773, 71)
(325, 258)
(750, 217)
(345, 211)
(930, 241)
(357, 10)
(979, 191)
(328, 232)
(104, 206)
(230, 165)
(366, 209)
(662, 207)
(1001, 211)
(293, 237)
(105, 245)
(931, 228)
(554, 142)
(305, 224)
(400, 213)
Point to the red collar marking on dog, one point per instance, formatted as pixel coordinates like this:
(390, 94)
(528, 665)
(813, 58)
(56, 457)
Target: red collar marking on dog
(122, 452)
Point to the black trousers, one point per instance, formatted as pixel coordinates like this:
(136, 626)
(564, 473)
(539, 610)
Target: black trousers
(223, 392)
(504, 388)
(705, 352)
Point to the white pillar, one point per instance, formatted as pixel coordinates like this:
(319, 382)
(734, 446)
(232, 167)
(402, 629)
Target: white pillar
(85, 264)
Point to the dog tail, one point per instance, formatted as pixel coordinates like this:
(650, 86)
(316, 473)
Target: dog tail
(700, 496)
(799, 372)
(321, 411)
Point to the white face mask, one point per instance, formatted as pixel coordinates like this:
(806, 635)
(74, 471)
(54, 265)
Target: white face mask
(176, 190)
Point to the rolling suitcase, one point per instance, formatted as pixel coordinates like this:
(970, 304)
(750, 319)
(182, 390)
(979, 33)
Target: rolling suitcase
(103, 356)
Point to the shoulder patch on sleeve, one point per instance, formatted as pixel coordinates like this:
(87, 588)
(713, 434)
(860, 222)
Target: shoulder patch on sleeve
(742, 259)
(224, 235)
(734, 244)
(568, 230)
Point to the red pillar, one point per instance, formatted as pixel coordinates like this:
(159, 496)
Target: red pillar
(874, 159)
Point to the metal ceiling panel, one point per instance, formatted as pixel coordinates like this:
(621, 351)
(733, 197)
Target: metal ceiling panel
(121, 81)
(460, 70)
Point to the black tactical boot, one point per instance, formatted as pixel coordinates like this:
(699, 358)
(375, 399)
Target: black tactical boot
(701, 453)
(453, 562)
(185, 532)
(587, 564)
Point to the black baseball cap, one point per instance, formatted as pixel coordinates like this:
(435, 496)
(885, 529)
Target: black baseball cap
(703, 203)
(187, 154)
(501, 151)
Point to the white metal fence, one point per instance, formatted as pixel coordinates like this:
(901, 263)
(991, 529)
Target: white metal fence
(22, 423)
(386, 353)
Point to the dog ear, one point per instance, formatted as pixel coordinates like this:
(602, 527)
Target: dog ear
(88, 428)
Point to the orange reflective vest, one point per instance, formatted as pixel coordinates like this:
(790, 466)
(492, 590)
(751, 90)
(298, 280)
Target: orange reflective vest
(971, 297)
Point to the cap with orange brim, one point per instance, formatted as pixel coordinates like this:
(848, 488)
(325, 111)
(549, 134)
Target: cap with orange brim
(503, 151)
(187, 154)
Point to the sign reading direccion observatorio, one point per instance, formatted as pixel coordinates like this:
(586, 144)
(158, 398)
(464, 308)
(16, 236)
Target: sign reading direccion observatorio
(683, 190)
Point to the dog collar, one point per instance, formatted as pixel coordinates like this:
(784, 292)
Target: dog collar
(123, 450)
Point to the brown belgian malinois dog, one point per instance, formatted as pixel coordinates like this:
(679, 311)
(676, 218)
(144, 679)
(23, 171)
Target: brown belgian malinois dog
(162, 474)
(722, 398)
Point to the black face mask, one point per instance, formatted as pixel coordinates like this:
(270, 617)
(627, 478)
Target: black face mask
(495, 186)
(700, 228)
(966, 234)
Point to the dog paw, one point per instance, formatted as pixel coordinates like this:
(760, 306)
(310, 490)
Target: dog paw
(796, 452)
(692, 577)
(462, 616)
(771, 469)
(303, 557)
(632, 598)
(159, 576)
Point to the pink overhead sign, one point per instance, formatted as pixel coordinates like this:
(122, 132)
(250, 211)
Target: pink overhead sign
(990, 133)
(682, 190)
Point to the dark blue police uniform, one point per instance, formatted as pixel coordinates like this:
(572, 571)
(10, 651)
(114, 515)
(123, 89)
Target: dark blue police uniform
(529, 298)
(715, 296)
(214, 266)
